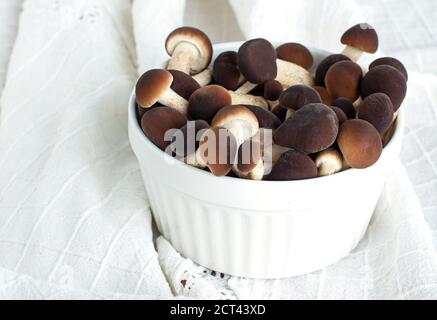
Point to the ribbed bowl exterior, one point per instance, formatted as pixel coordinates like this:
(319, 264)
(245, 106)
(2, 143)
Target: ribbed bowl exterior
(259, 229)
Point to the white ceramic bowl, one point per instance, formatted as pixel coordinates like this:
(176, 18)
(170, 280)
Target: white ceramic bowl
(259, 229)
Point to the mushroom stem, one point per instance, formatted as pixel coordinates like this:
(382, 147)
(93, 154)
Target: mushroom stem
(290, 74)
(353, 53)
(241, 98)
(256, 173)
(357, 103)
(182, 57)
(272, 104)
(173, 100)
(203, 78)
(289, 113)
(328, 162)
(246, 87)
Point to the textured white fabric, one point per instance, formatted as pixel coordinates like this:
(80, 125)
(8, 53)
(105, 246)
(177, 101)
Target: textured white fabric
(9, 12)
(74, 217)
(73, 210)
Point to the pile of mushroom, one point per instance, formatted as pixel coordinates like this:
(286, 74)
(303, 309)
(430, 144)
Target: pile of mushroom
(297, 123)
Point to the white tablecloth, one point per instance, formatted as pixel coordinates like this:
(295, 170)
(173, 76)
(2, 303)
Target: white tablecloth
(74, 216)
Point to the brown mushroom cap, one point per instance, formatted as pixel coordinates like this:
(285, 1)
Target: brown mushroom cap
(385, 79)
(190, 141)
(310, 129)
(343, 80)
(297, 96)
(157, 121)
(324, 66)
(206, 101)
(346, 105)
(295, 53)
(249, 155)
(340, 114)
(151, 86)
(395, 63)
(217, 149)
(266, 119)
(257, 60)
(183, 84)
(360, 143)
(293, 165)
(361, 36)
(324, 95)
(225, 71)
(195, 37)
(272, 89)
(378, 110)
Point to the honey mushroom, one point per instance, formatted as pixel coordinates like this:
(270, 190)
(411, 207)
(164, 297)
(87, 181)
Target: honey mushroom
(155, 86)
(297, 96)
(190, 50)
(359, 143)
(225, 71)
(360, 38)
(311, 129)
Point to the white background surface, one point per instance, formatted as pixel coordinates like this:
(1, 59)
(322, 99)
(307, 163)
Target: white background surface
(74, 220)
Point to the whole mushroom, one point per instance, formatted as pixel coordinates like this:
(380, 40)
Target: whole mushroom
(360, 38)
(385, 79)
(239, 120)
(155, 86)
(217, 151)
(343, 80)
(324, 66)
(359, 143)
(294, 61)
(157, 122)
(190, 50)
(310, 129)
(257, 62)
(378, 110)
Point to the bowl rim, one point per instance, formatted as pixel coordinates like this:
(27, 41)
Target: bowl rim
(132, 120)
